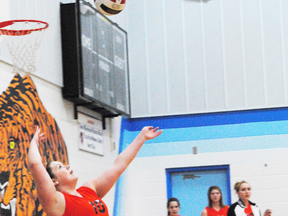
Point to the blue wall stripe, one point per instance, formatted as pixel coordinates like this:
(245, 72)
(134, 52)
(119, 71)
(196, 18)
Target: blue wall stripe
(119, 183)
(215, 132)
(208, 119)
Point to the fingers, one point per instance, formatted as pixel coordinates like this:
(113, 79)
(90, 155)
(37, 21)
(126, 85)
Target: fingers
(159, 132)
(155, 129)
(150, 128)
(42, 136)
(38, 136)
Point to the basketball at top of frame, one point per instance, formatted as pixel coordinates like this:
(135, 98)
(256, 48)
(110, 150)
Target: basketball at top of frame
(110, 7)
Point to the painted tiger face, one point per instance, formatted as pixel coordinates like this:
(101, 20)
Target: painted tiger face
(21, 111)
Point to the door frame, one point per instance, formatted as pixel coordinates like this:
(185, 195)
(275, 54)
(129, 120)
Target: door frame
(170, 171)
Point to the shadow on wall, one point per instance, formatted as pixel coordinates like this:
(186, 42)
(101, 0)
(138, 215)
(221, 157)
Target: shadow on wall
(20, 112)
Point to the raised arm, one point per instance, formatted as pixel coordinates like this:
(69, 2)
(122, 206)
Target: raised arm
(105, 182)
(52, 201)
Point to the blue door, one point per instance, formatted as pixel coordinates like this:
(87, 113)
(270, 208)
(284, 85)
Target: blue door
(190, 186)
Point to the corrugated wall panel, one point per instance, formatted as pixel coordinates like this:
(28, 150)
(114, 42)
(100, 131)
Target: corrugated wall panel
(213, 55)
(174, 43)
(216, 55)
(138, 59)
(253, 53)
(194, 56)
(284, 37)
(273, 52)
(233, 54)
(156, 57)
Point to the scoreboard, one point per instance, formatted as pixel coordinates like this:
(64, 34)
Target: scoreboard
(95, 60)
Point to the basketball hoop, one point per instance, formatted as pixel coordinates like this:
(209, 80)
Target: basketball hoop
(23, 38)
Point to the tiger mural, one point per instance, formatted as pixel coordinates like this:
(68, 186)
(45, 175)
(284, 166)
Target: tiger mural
(21, 111)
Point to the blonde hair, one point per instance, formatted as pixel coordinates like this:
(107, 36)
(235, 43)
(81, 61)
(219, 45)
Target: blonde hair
(238, 185)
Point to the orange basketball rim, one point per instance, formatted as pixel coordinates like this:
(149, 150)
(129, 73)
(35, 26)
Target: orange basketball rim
(19, 32)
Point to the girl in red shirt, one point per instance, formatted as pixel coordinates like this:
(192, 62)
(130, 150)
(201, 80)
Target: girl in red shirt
(56, 187)
(173, 206)
(215, 206)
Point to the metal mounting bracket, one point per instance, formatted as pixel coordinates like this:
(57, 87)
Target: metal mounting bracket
(76, 110)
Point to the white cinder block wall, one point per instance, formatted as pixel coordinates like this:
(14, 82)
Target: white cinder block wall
(265, 170)
(85, 165)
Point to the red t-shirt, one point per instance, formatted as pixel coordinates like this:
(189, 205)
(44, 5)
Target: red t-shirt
(248, 210)
(89, 204)
(214, 212)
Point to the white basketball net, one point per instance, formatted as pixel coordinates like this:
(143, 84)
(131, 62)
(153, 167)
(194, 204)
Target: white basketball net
(23, 38)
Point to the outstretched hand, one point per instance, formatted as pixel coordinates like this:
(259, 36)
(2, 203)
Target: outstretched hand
(150, 133)
(34, 156)
(37, 136)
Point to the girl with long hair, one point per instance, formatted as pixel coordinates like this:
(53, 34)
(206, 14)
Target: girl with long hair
(56, 185)
(215, 207)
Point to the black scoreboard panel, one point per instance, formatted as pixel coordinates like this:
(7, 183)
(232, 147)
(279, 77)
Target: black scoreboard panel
(95, 60)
